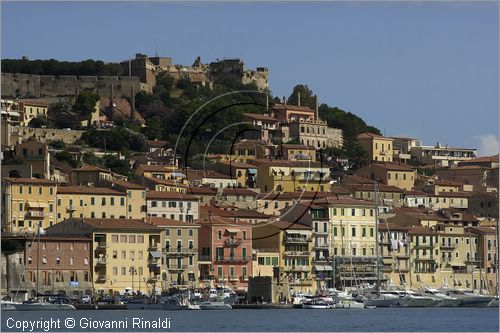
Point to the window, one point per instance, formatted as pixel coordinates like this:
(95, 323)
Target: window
(115, 254)
(114, 238)
(363, 232)
(58, 260)
(353, 231)
(179, 232)
(124, 254)
(86, 261)
(260, 260)
(112, 201)
(353, 212)
(219, 235)
(122, 201)
(103, 201)
(92, 201)
(131, 238)
(191, 232)
(334, 231)
(123, 238)
(244, 235)
(371, 232)
(40, 190)
(124, 270)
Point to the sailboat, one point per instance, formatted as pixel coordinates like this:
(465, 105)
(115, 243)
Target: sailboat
(38, 304)
(376, 298)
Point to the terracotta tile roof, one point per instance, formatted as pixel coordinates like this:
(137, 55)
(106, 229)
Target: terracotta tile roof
(91, 168)
(297, 195)
(169, 182)
(262, 117)
(416, 193)
(157, 143)
(200, 174)
(158, 168)
(483, 159)
(368, 135)
(194, 190)
(286, 163)
(392, 227)
(87, 190)
(239, 191)
(381, 188)
(285, 225)
(121, 106)
(421, 231)
(238, 165)
(164, 195)
(447, 194)
(279, 106)
(482, 230)
(29, 181)
(232, 213)
(391, 166)
(127, 185)
(120, 224)
(219, 220)
(444, 182)
(344, 202)
(34, 102)
(164, 222)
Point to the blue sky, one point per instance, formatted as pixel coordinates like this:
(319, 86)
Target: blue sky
(425, 70)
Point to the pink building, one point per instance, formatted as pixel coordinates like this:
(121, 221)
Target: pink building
(225, 257)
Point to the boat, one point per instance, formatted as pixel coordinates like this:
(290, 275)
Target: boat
(164, 303)
(467, 298)
(411, 299)
(494, 302)
(37, 305)
(215, 305)
(315, 303)
(349, 303)
(384, 299)
(444, 301)
(8, 305)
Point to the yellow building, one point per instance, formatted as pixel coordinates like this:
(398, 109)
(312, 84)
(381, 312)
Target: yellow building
(90, 202)
(379, 148)
(295, 152)
(392, 174)
(264, 261)
(424, 258)
(32, 108)
(179, 246)
(135, 200)
(27, 203)
(158, 171)
(291, 176)
(394, 248)
(293, 242)
(36, 154)
(156, 184)
(126, 253)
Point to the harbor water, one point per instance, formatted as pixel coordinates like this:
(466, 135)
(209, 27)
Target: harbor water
(340, 320)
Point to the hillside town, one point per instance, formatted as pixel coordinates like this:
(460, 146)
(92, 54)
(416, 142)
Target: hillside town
(271, 217)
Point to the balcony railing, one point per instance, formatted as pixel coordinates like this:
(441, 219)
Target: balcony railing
(244, 278)
(179, 251)
(101, 262)
(205, 258)
(298, 268)
(297, 253)
(153, 263)
(206, 277)
(321, 246)
(152, 246)
(301, 240)
(233, 278)
(232, 242)
(71, 208)
(233, 259)
(36, 213)
(221, 278)
(177, 268)
(448, 246)
(101, 278)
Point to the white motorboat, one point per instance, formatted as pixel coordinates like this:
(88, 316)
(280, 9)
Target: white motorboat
(8, 305)
(468, 299)
(315, 303)
(349, 304)
(445, 301)
(43, 306)
(413, 300)
(215, 305)
(384, 300)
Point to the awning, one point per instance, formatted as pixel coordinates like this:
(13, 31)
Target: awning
(42, 204)
(232, 231)
(319, 267)
(155, 254)
(178, 174)
(33, 204)
(328, 268)
(250, 170)
(297, 232)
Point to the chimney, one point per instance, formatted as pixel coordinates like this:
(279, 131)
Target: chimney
(317, 107)
(298, 98)
(132, 106)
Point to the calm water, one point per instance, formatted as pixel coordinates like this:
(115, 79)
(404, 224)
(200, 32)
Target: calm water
(392, 319)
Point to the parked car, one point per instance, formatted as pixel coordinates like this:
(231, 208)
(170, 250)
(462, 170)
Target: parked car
(86, 299)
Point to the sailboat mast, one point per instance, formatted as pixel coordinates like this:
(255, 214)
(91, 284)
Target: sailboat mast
(38, 264)
(377, 286)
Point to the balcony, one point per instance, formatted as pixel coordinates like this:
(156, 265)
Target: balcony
(178, 268)
(207, 277)
(297, 253)
(297, 268)
(101, 278)
(153, 279)
(403, 255)
(321, 246)
(71, 208)
(153, 263)
(448, 246)
(221, 278)
(179, 251)
(424, 246)
(244, 278)
(152, 247)
(232, 242)
(101, 245)
(233, 259)
(101, 262)
(204, 259)
(233, 278)
(320, 233)
(297, 240)
(36, 214)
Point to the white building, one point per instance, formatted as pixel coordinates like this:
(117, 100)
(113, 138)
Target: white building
(172, 205)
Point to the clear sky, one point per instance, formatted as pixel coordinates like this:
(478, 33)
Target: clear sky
(424, 70)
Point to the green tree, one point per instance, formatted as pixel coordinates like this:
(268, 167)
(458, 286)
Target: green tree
(57, 144)
(85, 104)
(306, 96)
(39, 121)
(66, 156)
(89, 158)
(153, 129)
